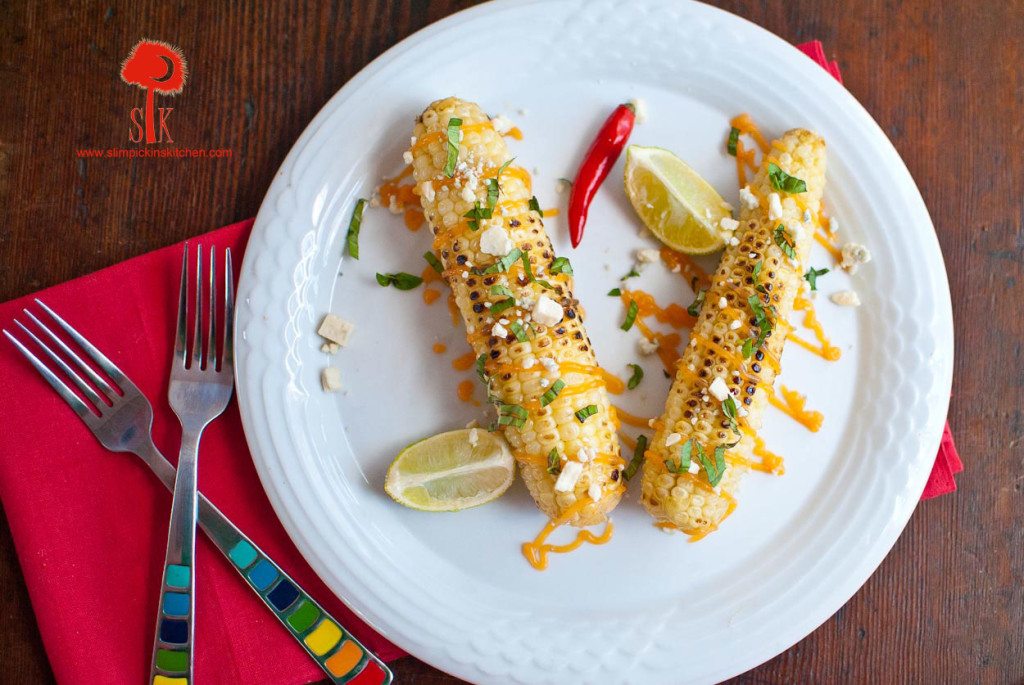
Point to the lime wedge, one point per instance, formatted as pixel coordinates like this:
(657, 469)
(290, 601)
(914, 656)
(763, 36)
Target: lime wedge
(673, 201)
(448, 472)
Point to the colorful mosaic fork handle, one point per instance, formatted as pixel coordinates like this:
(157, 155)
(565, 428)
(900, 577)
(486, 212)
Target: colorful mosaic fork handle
(342, 657)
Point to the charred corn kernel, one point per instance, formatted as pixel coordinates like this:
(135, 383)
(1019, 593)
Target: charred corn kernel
(531, 338)
(685, 500)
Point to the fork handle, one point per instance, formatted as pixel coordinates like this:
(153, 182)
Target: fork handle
(173, 639)
(343, 660)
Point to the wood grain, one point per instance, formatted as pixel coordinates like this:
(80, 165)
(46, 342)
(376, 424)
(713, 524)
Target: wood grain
(944, 80)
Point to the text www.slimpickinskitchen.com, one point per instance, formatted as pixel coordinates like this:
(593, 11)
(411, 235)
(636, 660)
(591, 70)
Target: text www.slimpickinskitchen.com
(149, 152)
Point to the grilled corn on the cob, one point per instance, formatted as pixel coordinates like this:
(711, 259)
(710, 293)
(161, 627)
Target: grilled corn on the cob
(767, 265)
(533, 352)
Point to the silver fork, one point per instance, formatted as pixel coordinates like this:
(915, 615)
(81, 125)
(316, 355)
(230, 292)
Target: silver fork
(121, 418)
(200, 387)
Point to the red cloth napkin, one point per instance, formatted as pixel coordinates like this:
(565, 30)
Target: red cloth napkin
(947, 463)
(90, 526)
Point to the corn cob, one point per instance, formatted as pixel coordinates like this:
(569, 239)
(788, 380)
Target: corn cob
(697, 407)
(534, 356)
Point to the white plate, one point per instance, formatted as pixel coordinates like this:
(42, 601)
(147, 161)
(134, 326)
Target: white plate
(647, 608)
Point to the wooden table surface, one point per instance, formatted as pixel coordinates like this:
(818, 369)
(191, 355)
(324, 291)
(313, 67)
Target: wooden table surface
(944, 80)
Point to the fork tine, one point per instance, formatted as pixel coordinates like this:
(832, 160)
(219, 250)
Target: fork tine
(211, 339)
(66, 368)
(98, 357)
(197, 314)
(228, 356)
(96, 379)
(63, 390)
(179, 336)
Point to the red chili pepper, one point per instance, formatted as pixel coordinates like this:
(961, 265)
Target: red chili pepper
(599, 160)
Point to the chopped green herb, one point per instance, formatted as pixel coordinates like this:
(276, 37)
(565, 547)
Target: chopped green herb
(453, 146)
(698, 302)
(535, 206)
(748, 348)
(433, 261)
(685, 450)
(585, 413)
(762, 321)
(782, 181)
(501, 290)
(614, 292)
(715, 474)
(784, 241)
(503, 264)
(511, 415)
(527, 267)
(755, 275)
(502, 305)
(729, 409)
(352, 237)
(812, 277)
(638, 457)
(476, 214)
(638, 375)
(401, 280)
(734, 137)
(630, 315)
(518, 331)
(554, 462)
(481, 361)
(551, 393)
(561, 265)
(633, 273)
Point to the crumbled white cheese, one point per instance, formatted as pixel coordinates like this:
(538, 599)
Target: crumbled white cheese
(845, 298)
(748, 199)
(502, 124)
(672, 439)
(585, 454)
(549, 363)
(729, 224)
(647, 347)
(571, 472)
(648, 256)
(394, 206)
(335, 329)
(807, 215)
(854, 255)
(427, 191)
(544, 382)
(496, 241)
(736, 323)
(467, 195)
(734, 241)
(330, 379)
(407, 157)
(594, 491)
(474, 437)
(529, 363)
(774, 207)
(499, 331)
(719, 389)
(833, 224)
(741, 411)
(722, 303)
(547, 311)
(330, 348)
(639, 109)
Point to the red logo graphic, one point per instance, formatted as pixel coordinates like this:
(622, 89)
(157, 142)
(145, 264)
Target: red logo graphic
(156, 67)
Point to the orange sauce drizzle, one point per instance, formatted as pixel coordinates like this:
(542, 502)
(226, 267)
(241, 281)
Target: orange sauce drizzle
(465, 362)
(825, 349)
(824, 239)
(794, 404)
(550, 212)
(440, 348)
(514, 133)
(668, 345)
(466, 129)
(413, 218)
(674, 315)
(746, 125)
(465, 392)
(567, 391)
(537, 550)
(430, 295)
(770, 462)
(688, 268)
(613, 383)
(453, 310)
(632, 419)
